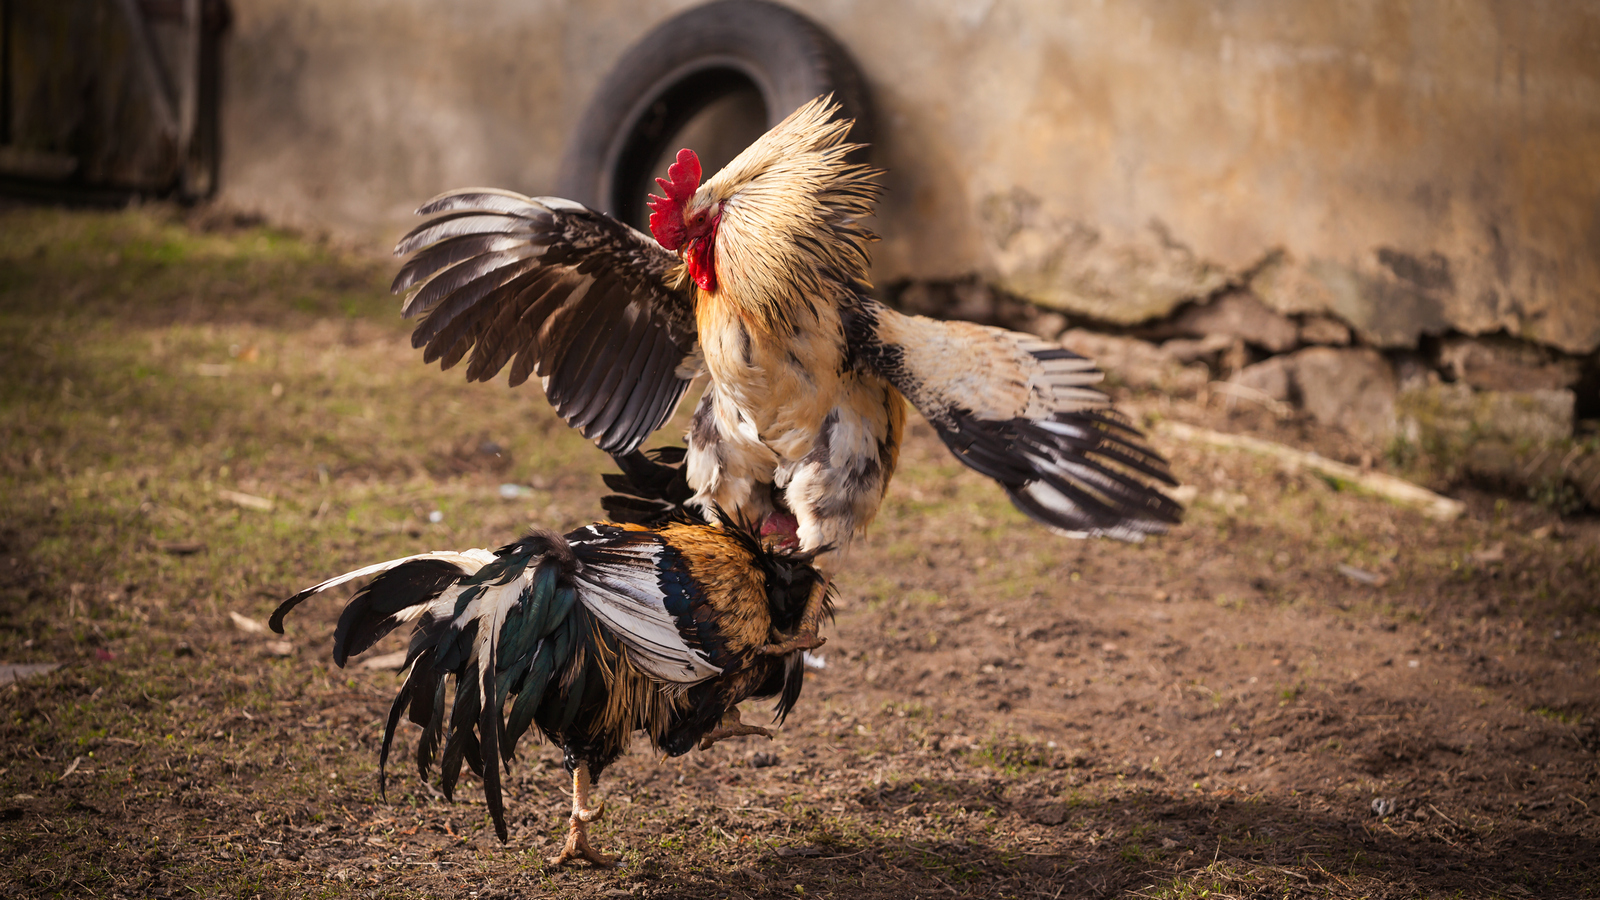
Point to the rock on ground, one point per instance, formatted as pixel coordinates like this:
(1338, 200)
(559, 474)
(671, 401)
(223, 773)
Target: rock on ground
(1455, 414)
(1325, 331)
(1239, 314)
(1498, 364)
(1273, 376)
(1352, 389)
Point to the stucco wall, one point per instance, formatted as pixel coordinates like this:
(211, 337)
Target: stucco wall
(1411, 166)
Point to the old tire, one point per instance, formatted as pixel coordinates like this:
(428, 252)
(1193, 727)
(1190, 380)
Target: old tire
(685, 64)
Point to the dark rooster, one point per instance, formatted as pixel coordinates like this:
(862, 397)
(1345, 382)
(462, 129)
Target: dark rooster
(589, 637)
(757, 283)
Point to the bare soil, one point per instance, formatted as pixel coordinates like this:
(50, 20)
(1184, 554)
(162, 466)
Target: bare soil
(1221, 712)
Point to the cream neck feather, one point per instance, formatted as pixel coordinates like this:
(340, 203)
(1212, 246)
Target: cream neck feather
(790, 233)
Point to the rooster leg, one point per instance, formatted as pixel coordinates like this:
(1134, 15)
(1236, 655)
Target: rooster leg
(805, 637)
(731, 726)
(578, 835)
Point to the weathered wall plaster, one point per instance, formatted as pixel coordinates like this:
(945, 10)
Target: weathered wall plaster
(1408, 166)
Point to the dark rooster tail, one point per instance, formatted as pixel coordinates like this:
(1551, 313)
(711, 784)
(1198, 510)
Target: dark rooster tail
(585, 639)
(500, 623)
(495, 632)
(376, 609)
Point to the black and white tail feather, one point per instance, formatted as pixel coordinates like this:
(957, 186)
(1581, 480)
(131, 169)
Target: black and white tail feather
(590, 636)
(509, 622)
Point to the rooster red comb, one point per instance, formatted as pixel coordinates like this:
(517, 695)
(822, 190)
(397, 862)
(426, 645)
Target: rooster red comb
(666, 213)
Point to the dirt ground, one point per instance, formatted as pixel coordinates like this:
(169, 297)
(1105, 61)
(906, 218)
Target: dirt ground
(1300, 692)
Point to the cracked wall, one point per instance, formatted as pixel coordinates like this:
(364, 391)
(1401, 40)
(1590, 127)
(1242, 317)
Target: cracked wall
(1408, 167)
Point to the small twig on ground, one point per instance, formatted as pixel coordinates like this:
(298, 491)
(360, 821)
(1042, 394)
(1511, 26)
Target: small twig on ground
(249, 501)
(1442, 815)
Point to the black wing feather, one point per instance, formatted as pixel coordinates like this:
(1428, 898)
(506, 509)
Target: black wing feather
(447, 253)
(651, 489)
(1075, 465)
(658, 406)
(1090, 471)
(625, 365)
(572, 294)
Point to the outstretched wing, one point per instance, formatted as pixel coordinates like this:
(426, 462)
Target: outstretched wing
(554, 289)
(1022, 411)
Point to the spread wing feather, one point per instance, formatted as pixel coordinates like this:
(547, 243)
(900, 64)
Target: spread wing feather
(593, 307)
(1024, 412)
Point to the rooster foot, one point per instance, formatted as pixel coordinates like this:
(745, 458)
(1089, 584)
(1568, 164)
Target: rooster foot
(805, 640)
(577, 846)
(805, 637)
(731, 726)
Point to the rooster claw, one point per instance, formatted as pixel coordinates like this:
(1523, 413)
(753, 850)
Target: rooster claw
(577, 848)
(801, 641)
(806, 637)
(731, 726)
